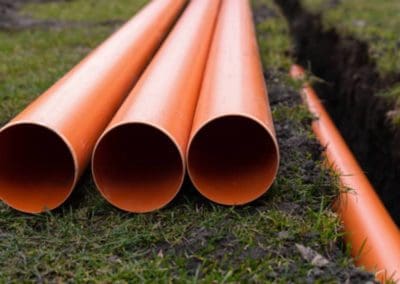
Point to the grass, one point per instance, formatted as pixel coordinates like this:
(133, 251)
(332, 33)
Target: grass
(192, 240)
(376, 22)
(85, 10)
(273, 37)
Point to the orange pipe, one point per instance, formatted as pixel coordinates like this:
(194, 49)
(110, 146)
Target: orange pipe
(138, 163)
(45, 149)
(233, 154)
(374, 237)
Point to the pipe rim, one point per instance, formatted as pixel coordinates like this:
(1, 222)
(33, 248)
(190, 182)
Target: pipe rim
(155, 128)
(271, 135)
(72, 156)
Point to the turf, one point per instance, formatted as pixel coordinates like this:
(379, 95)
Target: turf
(192, 240)
(84, 10)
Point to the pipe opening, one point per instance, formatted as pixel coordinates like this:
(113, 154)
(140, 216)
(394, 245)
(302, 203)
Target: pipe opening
(37, 170)
(137, 167)
(232, 160)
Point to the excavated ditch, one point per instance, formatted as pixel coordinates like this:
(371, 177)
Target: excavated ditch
(349, 91)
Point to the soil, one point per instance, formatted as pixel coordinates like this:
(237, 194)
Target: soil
(349, 93)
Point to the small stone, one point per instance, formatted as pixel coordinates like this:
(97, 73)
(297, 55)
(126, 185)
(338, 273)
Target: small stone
(319, 261)
(283, 235)
(360, 23)
(312, 256)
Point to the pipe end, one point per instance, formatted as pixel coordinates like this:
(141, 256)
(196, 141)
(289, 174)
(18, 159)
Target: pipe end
(38, 169)
(137, 167)
(233, 160)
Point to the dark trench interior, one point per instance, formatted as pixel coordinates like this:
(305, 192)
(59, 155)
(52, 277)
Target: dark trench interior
(349, 86)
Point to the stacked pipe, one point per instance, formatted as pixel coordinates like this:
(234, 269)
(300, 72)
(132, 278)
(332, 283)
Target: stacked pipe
(45, 149)
(139, 161)
(371, 232)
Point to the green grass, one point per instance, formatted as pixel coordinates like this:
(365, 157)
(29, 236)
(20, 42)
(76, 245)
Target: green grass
(192, 240)
(376, 22)
(274, 40)
(85, 10)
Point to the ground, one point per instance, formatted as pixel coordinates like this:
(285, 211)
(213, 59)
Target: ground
(358, 86)
(274, 239)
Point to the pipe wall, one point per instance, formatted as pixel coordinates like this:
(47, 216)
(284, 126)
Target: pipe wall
(233, 154)
(138, 163)
(45, 149)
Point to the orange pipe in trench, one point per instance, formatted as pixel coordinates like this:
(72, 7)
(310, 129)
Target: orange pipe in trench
(374, 237)
(138, 163)
(45, 149)
(233, 154)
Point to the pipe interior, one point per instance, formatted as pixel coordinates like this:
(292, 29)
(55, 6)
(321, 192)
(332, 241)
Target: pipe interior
(137, 167)
(37, 169)
(232, 160)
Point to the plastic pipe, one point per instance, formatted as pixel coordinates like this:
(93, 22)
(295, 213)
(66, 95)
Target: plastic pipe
(45, 149)
(233, 154)
(138, 163)
(374, 237)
